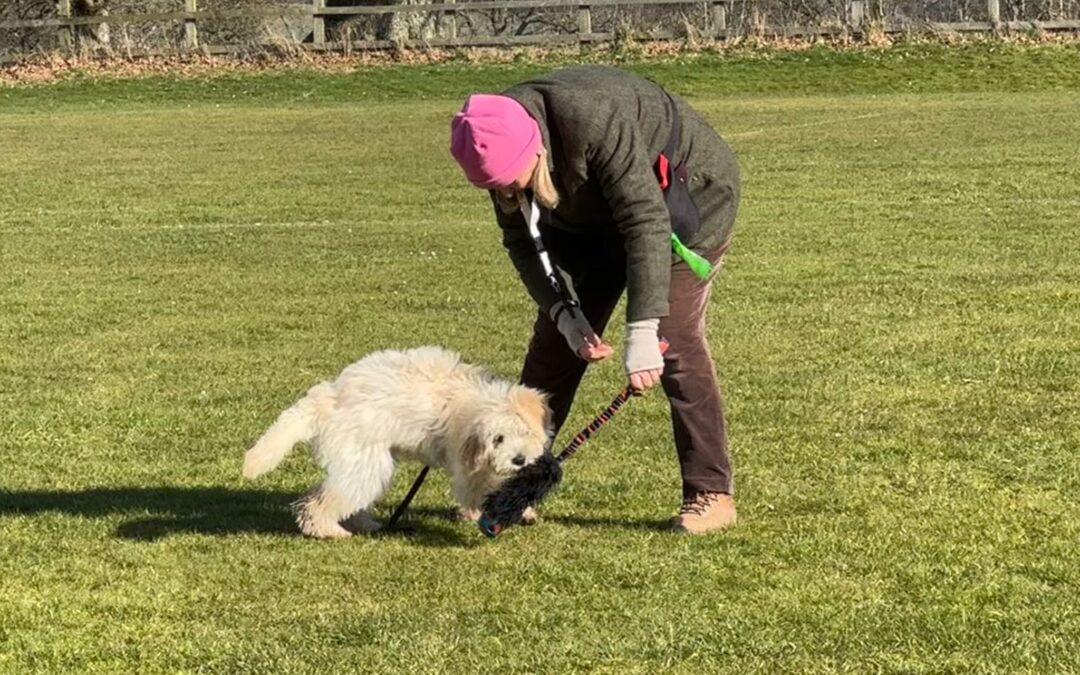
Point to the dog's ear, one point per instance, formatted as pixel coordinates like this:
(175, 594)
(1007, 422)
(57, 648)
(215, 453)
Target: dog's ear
(472, 450)
(531, 405)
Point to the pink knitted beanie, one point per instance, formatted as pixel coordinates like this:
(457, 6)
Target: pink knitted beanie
(493, 138)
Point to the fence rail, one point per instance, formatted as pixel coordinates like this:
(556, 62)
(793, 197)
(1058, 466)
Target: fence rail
(858, 21)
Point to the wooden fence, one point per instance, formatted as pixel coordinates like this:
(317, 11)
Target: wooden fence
(858, 21)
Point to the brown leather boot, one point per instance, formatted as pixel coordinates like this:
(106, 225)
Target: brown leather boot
(705, 512)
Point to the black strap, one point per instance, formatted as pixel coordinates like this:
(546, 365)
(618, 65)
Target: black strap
(408, 498)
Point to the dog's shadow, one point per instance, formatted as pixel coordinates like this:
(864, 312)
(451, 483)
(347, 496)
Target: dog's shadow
(150, 514)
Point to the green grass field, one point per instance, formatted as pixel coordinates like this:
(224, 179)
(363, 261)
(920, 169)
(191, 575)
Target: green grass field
(897, 332)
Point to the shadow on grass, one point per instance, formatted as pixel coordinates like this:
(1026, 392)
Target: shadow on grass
(153, 513)
(648, 524)
(432, 527)
(591, 522)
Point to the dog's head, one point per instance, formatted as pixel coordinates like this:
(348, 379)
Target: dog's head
(513, 434)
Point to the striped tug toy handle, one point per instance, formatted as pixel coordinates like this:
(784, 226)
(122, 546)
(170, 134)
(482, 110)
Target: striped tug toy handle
(602, 419)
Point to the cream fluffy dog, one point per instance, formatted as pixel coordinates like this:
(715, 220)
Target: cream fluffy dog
(423, 404)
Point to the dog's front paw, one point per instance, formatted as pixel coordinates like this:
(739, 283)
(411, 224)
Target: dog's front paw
(467, 515)
(529, 516)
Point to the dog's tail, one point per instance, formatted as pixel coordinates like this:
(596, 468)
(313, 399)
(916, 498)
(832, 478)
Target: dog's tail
(297, 424)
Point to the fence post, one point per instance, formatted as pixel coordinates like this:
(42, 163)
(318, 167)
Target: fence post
(318, 23)
(191, 28)
(584, 22)
(993, 8)
(858, 13)
(453, 21)
(719, 15)
(65, 32)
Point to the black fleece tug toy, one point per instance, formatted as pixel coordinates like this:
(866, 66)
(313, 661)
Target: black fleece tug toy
(529, 486)
(505, 506)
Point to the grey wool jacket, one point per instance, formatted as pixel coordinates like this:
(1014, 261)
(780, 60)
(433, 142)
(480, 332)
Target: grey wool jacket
(603, 129)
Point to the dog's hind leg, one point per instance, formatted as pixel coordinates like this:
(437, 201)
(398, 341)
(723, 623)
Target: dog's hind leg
(358, 479)
(354, 481)
(320, 511)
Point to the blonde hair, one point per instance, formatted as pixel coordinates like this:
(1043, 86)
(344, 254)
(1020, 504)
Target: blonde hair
(543, 188)
(542, 185)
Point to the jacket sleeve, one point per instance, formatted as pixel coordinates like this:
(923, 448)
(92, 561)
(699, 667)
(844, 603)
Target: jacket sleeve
(519, 244)
(621, 164)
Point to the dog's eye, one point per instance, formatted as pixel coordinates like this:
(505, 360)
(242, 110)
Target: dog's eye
(497, 441)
